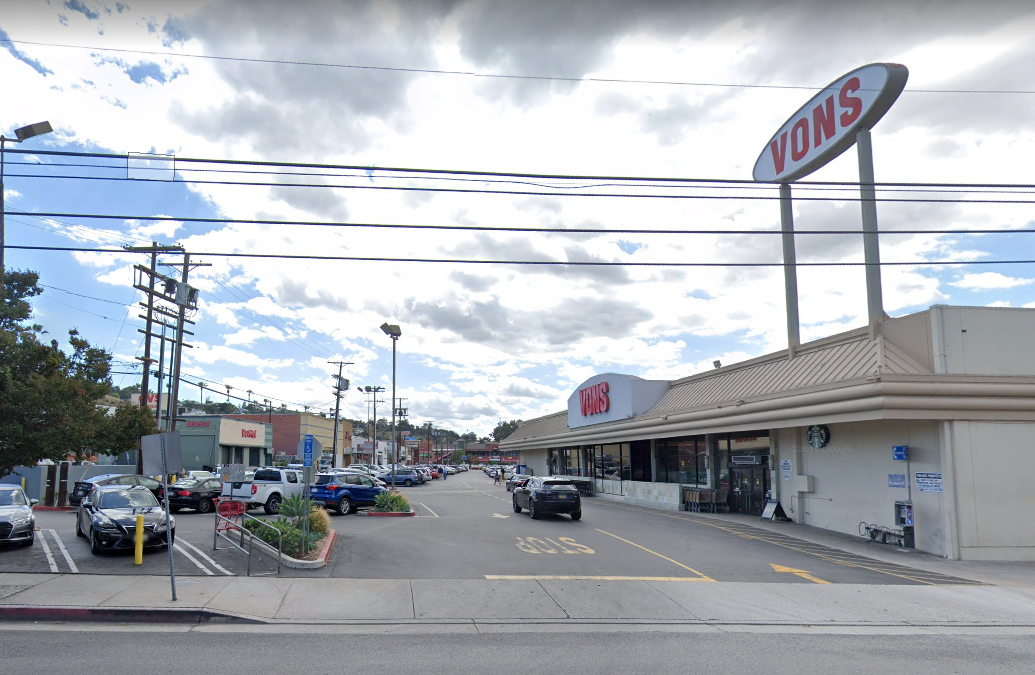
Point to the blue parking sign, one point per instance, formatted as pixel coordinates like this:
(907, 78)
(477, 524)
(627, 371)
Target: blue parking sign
(900, 452)
(307, 453)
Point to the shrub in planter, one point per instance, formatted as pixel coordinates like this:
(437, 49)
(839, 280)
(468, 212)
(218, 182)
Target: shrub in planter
(391, 501)
(319, 522)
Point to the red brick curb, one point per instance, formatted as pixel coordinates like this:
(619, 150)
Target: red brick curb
(328, 542)
(37, 507)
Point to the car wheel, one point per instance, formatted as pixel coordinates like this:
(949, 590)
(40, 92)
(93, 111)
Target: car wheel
(174, 509)
(205, 505)
(95, 543)
(78, 530)
(576, 515)
(531, 509)
(517, 509)
(272, 505)
(408, 483)
(344, 506)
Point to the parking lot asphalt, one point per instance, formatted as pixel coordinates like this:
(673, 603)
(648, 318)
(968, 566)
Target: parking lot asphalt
(465, 528)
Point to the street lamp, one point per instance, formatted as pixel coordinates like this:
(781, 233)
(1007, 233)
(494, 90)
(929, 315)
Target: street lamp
(20, 135)
(393, 331)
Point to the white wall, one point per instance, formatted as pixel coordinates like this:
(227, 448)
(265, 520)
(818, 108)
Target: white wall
(988, 340)
(536, 461)
(994, 467)
(850, 478)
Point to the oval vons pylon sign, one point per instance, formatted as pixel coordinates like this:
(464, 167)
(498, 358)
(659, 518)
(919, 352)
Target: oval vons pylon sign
(826, 126)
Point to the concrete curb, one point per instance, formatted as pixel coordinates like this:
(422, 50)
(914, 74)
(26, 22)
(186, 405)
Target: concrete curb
(388, 514)
(120, 614)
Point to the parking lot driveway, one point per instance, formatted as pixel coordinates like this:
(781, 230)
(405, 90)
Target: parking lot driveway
(58, 550)
(466, 528)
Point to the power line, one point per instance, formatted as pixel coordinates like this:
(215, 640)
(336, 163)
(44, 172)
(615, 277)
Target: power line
(543, 263)
(495, 228)
(505, 174)
(534, 193)
(476, 74)
(88, 297)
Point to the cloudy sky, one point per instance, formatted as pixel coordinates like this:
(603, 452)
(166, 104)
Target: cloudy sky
(608, 90)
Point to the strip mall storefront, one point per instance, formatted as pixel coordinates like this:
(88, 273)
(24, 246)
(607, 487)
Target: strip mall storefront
(937, 410)
(212, 440)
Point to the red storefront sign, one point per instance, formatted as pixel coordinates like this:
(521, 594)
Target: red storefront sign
(594, 399)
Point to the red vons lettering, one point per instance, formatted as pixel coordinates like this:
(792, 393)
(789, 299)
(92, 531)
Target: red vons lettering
(593, 400)
(826, 126)
(248, 433)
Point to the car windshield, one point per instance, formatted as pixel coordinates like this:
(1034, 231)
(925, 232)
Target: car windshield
(323, 478)
(267, 474)
(129, 499)
(12, 498)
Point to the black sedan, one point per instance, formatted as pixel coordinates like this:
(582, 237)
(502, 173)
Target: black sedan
(107, 516)
(124, 480)
(516, 480)
(548, 495)
(17, 522)
(194, 493)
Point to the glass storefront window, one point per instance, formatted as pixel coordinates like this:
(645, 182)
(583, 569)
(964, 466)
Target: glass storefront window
(682, 460)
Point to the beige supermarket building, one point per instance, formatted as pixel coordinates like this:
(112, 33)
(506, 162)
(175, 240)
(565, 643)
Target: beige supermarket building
(936, 409)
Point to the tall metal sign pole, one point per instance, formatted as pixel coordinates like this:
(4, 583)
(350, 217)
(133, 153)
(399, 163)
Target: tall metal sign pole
(839, 116)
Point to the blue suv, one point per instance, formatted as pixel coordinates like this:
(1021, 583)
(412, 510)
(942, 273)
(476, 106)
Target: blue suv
(344, 492)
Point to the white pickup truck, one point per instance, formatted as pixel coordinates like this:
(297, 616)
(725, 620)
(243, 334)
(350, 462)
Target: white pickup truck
(267, 488)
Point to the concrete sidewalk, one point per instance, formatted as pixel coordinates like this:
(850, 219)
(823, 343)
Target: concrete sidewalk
(408, 601)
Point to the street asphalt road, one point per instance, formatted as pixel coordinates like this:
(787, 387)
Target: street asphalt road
(121, 650)
(465, 528)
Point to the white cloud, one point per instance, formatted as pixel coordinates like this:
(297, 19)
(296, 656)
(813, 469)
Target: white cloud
(984, 281)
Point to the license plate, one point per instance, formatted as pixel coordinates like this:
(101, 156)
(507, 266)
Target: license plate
(562, 496)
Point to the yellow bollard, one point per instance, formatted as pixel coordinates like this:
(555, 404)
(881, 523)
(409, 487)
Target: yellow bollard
(23, 483)
(138, 550)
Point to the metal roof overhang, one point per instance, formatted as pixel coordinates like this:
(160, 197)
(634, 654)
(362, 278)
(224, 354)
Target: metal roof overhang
(920, 397)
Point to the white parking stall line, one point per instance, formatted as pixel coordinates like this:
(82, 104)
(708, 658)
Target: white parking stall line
(205, 556)
(194, 560)
(50, 556)
(426, 506)
(64, 551)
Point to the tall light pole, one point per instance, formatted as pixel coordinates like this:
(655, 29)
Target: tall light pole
(393, 331)
(20, 135)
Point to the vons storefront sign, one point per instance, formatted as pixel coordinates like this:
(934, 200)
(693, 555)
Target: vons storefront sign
(594, 399)
(609, 397)
(826, 126)
(241, 432)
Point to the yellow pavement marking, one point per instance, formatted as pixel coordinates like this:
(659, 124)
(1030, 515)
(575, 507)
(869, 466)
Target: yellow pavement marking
(704, 577)
(798, 573)
(583, 577)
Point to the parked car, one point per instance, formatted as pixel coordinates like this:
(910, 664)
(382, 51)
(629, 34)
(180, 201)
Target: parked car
(548, 495)
(17, 521)
(407, 477)
(83, 487)
(515, 480)
(107, 517)
(344, 492)
(194, 493)
(267, 488)
(428, 473)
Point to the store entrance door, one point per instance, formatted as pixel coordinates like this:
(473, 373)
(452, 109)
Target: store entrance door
(749, 486)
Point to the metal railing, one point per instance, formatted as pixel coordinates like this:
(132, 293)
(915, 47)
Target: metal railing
(231, 525)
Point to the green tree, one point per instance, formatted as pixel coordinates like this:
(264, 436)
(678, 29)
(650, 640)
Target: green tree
(504, 429)
(47, 396)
